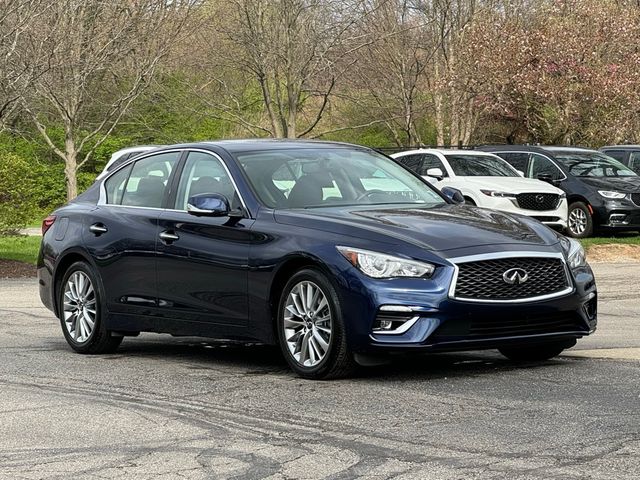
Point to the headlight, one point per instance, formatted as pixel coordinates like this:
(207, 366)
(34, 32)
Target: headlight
(379, 265)
(612, 195)
(494, 193)
(574, 252)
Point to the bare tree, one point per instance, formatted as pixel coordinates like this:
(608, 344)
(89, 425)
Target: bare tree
(15, 76)
(294, 53)
(102, 55)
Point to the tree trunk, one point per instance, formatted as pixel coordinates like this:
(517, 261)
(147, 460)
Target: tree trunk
(71, 166)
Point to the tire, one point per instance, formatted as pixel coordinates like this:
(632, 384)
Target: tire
(319, 347)
(76, 298)
(469, 201)
(580, 221)
(536, 353)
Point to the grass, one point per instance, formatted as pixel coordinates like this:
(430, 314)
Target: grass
(618, 239)
(20, 248)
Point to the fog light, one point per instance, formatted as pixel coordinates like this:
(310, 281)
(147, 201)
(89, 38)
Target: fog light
(617, 218)
(385, 325)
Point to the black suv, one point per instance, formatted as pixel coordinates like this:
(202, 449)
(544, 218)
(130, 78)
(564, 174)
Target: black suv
(602, 192)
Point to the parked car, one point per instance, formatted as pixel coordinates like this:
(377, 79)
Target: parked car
(602, 193)
(488, 181)
(628, 155)
(121, 156)
(358, 258)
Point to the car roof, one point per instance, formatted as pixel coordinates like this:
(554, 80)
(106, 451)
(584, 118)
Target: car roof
(249, 145)
(444, 151)
(140, 148)
(565, 149)
(621, 147)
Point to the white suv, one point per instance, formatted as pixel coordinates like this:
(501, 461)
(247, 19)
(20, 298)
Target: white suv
(121, 156)
(488, 181)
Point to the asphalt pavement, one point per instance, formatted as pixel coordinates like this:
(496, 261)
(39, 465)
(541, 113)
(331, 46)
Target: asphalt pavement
(184, 408)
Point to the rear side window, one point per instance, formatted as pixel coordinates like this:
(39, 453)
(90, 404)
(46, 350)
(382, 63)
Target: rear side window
(149, 180)
(619, 155)
(115, 185)
(634, 162)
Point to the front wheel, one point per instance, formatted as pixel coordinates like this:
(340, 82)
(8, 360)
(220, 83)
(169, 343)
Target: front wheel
(580, 221)
(81, 312)
(536, 353)
(311, 331)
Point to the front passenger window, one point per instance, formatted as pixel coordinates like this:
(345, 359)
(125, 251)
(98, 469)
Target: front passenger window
(541, 165)
(204, 173)
(149, 180)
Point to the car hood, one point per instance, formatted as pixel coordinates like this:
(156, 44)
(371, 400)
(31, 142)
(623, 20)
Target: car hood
(621, 184)
(509, 184)
(440, 228)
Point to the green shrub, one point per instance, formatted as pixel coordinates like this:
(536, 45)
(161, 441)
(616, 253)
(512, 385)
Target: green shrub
(16, 193)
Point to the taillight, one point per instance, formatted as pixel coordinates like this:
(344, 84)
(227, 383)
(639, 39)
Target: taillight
(47, 222)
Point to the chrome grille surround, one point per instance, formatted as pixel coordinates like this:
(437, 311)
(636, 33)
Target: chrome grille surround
(561, 274)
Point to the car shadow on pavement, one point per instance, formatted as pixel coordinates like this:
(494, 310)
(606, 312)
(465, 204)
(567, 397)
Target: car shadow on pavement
(201, 354)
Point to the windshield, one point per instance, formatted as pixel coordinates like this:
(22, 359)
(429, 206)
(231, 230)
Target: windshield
(323, 177)
(593, 164)
(480, 166)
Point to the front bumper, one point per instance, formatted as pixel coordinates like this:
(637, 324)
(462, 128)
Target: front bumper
(554, 218)
(617, 214)
(440, 323)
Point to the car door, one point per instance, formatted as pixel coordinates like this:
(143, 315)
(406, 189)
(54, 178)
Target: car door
(121, 232)
(202, 268)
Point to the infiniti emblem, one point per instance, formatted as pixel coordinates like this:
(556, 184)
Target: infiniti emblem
(515, 276)
(539, 198)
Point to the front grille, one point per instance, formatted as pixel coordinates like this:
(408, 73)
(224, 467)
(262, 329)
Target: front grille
(484, 280)
(522, 325)
(538, 201)
(635, 198)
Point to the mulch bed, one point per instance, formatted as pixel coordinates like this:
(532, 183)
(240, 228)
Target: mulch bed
(14, 269)
(617, 253)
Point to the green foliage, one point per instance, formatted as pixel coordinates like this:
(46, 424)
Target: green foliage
(16, 192)
(20, 248)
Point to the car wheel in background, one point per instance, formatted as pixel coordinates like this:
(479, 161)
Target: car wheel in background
(311, 330)
(580, 221)
(469, 201)
(81, 312)
(536, 353)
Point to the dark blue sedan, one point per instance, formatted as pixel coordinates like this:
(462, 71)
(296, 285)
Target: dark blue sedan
(332, 251)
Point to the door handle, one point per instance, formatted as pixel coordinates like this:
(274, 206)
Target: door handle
(168, 236)
(98, 229)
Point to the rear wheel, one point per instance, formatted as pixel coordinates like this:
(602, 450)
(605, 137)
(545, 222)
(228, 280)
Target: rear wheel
(580, 221)
(536, 353)
(311, 330)
(81, 312)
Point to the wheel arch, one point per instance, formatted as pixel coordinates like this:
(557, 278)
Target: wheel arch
(285, 271)
(63, 263)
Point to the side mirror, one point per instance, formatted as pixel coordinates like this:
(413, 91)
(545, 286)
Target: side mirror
(520, 172)
(435, 173)
(453, 194)
(545, 177)
(208, 205)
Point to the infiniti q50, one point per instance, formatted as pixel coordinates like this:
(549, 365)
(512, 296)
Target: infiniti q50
(334, 252)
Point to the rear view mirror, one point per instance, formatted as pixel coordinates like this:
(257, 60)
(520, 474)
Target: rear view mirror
(435, 173)
(208, 205)
(453, 194)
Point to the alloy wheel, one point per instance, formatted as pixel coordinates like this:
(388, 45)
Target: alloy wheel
(577, 221)
(307, 323)
(79, 307)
